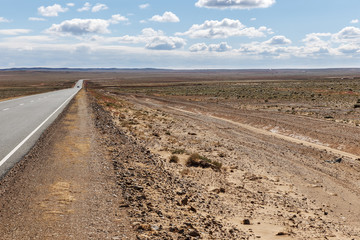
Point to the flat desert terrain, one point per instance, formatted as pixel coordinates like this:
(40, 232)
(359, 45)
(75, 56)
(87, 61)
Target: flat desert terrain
(248, 154)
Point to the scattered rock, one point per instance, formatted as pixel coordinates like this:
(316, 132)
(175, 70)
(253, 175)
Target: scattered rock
(144, 227)
(246, 222)
(194, 233)
(338, 160)
(184, 201)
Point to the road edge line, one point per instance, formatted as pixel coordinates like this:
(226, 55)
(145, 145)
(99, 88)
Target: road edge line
(34, 131)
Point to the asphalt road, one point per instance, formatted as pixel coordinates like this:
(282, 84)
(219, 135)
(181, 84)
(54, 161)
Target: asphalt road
(22, 121)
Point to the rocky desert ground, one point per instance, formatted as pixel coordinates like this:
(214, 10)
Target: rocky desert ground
(195, 155)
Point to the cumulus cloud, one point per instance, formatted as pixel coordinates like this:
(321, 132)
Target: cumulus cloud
(36, 19)
(235, 4)
(198, 47)
(166, 17)
(263, 49)
(278, 40)
(86, 7)
(224, 29)
(354, 21)
(348, 34)
(153, 40)
(51, 11)
(349, 48)
(99, 7)
(80, 27)
(70, 4)
(118, 18)
(14, 31)
(165, 43)
(201, 47)
(4, 20)
(144, 6)
(316, 39)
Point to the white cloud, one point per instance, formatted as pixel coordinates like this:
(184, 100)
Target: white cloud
(166, 17)
(144, 6)
(118, 18)
(222, 47)
(224, 29)
(14, 31)
(348, 34)
(80, 27)
(198, 47)
(354, 21)
(201, 47)
(51, 11)
(154, 40)
(36, 19)
(278, 40)
(235, 4)
(315, 40)
(252, 19)
(70, 4)
(4, 20)
(349, 48)
(86, 7)
(99, 7)
(165, 43)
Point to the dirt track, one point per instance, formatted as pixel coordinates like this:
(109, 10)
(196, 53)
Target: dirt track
(299, 157)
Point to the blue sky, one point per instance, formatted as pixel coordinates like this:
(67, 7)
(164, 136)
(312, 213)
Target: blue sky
(185, 34)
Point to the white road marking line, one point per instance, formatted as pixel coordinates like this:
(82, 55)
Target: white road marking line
(21, 104)
(5, 109)
(32, 101)
(33, 132)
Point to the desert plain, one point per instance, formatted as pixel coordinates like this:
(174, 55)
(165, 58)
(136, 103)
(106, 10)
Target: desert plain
(190, 154)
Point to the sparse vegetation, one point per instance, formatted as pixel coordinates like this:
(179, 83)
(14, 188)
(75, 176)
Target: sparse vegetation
(174, 159)
(179, 151)
(196, 160)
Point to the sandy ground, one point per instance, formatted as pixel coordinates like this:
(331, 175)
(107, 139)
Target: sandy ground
(103, 171)
(65, 187)
(277, 172)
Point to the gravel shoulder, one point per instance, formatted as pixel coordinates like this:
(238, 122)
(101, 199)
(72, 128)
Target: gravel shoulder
(65, 187)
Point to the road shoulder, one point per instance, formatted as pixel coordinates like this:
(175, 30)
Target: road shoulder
(65, 187)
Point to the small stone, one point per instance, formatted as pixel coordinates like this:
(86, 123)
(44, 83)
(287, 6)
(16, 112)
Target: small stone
(194, 233)
(139, 188)
(246, 222)
(184, 201)
(144, 227)
(192, 209)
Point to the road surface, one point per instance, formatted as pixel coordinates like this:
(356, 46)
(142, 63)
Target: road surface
(22, 120)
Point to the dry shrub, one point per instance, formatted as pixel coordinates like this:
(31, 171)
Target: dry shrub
(196, 160)
(174, 159)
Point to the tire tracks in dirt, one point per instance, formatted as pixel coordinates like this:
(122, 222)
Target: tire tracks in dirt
(302, 163)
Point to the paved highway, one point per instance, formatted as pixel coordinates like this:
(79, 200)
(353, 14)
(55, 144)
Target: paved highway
(22, 120)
